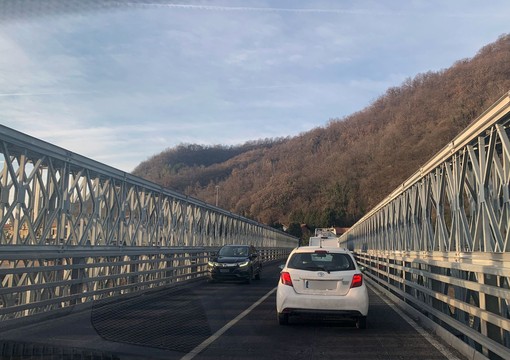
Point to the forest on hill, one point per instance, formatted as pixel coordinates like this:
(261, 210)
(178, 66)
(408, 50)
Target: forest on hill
(332, 175)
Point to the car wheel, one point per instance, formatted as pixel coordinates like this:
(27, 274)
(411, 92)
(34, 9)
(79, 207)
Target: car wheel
(361, 322)
(283, 319)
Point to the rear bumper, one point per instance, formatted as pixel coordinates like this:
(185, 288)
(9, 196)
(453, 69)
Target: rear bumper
(319, 312)
(354, 304)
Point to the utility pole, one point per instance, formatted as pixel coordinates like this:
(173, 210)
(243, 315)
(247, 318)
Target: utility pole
(217, 194)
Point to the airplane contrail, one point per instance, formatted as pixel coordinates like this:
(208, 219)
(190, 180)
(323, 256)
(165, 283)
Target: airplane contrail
(15, 9)
(143, 3)
(44, 93)
(241, 8)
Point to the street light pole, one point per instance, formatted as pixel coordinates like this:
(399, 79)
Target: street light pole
(217, 194)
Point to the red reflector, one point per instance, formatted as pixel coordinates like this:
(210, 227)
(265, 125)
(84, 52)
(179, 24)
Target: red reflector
(285, 277)
(357, 280)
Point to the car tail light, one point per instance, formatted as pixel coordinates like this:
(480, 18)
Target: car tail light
(321, 251)
(285, 278)
(357, 280)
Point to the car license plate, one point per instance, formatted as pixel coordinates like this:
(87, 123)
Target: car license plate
(224, 270)
(321, 285)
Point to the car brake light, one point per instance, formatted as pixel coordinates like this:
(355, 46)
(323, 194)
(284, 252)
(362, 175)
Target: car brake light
(357, 280)
(285, 277)
(321, 251)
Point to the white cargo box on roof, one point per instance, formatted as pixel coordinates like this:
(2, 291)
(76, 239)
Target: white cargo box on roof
(323, 241)
(324, 237)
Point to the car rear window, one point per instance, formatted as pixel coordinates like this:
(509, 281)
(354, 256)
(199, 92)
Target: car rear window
(321, 261)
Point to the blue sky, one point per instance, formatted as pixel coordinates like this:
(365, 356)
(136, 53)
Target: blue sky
(120, 81)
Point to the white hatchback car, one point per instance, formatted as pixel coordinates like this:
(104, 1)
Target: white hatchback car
(322, 281)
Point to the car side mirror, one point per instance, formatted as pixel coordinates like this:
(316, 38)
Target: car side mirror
(253, 256)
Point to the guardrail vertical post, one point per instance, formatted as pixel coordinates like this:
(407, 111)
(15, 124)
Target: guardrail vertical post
(77, 274)
(133, 269)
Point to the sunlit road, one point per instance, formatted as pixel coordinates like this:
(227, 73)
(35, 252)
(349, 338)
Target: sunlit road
(211, 321)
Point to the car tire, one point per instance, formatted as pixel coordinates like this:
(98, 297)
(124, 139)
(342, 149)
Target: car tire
(283, 319)
(361, 322)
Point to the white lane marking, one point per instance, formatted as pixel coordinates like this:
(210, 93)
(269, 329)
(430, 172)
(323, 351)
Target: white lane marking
(217, 334)
(442, 349)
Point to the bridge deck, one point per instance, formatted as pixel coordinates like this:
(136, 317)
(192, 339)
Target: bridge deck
(170, 323)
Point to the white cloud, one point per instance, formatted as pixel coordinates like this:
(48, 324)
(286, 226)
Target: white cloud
(121, 85)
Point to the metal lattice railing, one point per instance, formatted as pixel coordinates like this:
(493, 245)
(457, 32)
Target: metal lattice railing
(40, 282)
(75, 230)
(440, 242)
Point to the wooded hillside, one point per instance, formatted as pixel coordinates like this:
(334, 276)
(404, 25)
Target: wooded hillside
(333, 174)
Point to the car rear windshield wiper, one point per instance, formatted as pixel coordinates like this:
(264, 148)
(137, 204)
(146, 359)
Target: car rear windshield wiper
(323, 268)
(311, 268)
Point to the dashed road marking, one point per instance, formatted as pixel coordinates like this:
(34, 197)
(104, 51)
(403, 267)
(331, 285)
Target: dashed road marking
(199, 348)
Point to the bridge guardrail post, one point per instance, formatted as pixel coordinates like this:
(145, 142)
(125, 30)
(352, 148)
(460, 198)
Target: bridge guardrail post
(133, 270)
(77, 274)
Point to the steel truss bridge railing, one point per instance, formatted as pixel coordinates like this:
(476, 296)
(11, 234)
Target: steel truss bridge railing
(439, 243)
(75, 231)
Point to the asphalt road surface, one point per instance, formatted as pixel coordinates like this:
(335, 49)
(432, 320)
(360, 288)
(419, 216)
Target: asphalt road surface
(220, 321)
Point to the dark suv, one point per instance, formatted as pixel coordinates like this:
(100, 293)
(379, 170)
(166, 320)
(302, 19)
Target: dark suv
(235, 262)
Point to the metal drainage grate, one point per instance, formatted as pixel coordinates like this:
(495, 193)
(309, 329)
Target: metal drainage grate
(173, 321)
(16, 350)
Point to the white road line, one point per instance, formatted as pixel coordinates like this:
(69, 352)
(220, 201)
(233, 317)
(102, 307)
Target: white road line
(220, 332)
(442, 349)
